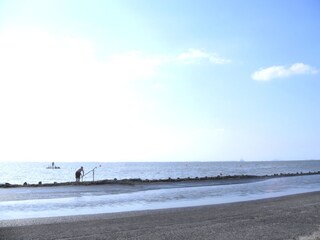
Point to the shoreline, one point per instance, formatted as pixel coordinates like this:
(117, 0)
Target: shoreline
(288, 217)
(133, 181)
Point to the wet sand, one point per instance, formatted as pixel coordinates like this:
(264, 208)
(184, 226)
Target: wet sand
(290, 217)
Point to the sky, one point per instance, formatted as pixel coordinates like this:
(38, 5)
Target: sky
(148, 80)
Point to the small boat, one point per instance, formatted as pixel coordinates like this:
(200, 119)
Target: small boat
(53, 166)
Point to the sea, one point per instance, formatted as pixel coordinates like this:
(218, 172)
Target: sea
(35, 172)
(68, 200)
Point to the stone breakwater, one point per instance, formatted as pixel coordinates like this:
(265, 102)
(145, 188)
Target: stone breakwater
(133, 181)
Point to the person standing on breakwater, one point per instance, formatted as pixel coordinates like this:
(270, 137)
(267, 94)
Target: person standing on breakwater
(78, 174)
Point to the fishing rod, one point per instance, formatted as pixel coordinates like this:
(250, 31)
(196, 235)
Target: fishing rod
(92, 170)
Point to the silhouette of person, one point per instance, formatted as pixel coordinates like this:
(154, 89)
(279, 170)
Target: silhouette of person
(78, 174)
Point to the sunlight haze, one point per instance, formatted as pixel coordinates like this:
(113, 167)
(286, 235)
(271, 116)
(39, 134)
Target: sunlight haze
(144, 80)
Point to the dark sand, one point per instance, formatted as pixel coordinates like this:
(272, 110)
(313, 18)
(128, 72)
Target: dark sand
(290, 217)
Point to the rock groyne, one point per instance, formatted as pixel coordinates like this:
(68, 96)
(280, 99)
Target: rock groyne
(133, 181)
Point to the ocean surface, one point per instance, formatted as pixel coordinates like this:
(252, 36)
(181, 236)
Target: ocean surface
(18, 173)
(38, 202)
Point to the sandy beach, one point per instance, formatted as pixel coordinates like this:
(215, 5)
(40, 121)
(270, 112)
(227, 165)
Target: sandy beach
(290, 217)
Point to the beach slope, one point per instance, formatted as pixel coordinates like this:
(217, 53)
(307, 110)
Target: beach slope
(290, 217)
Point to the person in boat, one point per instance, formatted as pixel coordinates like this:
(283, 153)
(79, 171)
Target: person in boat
(78, 174)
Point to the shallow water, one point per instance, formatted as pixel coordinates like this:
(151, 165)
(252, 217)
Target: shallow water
(19, 203)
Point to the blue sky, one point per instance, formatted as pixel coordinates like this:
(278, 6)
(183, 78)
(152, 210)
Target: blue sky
(145, 80)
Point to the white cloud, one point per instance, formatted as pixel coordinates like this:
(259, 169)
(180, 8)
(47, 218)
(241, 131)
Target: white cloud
(273, 72)
(38, 55)
(195, 55)
(59, 102)
(133, 65)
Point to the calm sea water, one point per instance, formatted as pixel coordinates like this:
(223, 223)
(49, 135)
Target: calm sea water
(31, 172)
(38, 202)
